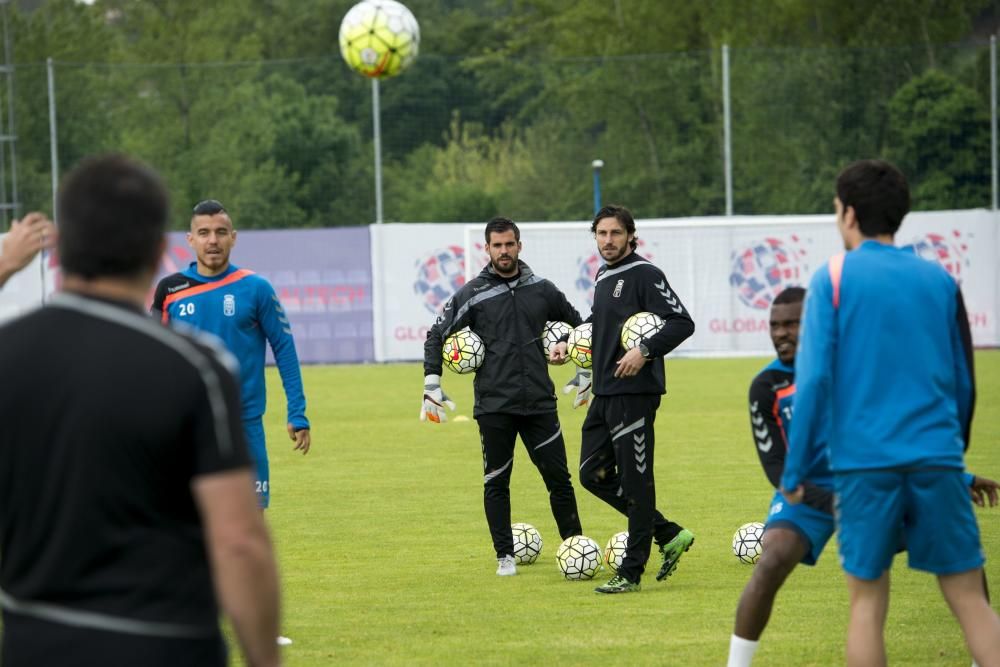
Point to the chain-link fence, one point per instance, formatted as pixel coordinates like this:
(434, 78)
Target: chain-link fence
(289, 143)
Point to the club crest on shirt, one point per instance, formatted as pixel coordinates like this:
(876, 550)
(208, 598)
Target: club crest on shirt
(228, 305)
(618, 288)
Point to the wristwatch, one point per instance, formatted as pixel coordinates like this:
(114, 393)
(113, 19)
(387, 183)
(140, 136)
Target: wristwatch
(643, 350)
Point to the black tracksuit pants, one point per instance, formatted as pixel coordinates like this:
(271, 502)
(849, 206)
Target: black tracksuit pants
(616, 465)
(542, 436)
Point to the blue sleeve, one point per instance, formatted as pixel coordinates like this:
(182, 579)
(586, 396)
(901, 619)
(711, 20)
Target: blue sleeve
(813, 379)
(969, 478)
(278, 331)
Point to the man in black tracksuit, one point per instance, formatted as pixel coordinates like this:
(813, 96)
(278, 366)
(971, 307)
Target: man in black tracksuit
(507, 306)
(617, 448)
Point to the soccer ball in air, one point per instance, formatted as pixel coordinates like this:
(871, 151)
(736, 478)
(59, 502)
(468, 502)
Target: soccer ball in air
(746, 542)
(379, 38)
(463, 351)
(614, 552)
(551, 334)
(578, 345)
(527, 543)
(579, 558)
(639, 326)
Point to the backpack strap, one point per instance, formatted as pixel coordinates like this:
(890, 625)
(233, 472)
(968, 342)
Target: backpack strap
(836, 269)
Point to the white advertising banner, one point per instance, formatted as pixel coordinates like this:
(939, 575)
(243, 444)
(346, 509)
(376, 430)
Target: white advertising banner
(728, 270)
(27, 288)
(415, 269)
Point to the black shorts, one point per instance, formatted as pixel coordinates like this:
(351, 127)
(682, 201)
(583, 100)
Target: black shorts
(29, 642)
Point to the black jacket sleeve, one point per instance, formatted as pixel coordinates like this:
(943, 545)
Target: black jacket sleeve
(454, 316)
(657, 297)
(768, 436)
(158, 298)
(560, 309)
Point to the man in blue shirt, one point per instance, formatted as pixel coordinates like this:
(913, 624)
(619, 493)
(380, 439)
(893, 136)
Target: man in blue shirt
(794, 533)
(884, 377)
(243, 310)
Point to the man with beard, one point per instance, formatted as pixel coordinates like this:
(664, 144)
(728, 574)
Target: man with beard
(507, 306)
(616, 452)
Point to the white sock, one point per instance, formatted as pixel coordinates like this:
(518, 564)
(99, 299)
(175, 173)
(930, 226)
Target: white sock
(741, 651)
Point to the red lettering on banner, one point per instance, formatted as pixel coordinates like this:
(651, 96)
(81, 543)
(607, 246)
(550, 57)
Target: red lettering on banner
(740, 325)
(328, 295)
(411, 333)
(977, 320)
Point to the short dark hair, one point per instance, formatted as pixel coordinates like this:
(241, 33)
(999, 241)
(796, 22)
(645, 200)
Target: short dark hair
(790, 295)
(209, 207)
(112, 217)
(622, 215)
(500, 225)
(878, 193)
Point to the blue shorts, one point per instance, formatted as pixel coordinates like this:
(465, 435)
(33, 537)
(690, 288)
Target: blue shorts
(932, 507)
(254, 429)
(813, 525)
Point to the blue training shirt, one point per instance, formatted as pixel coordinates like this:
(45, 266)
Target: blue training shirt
(243, 310)
(884, 375)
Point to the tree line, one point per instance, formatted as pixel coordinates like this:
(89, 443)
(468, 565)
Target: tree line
(509, 102)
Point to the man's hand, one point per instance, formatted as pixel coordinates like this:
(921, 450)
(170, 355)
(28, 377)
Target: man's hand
(630, 364)
(983, 490)
(794, 497)
(435, 400)
(301, 438)
(558, 355)
(26, 238)
(580, 382)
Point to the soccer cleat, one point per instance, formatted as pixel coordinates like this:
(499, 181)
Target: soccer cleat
(672, 551)
(284, 641)
(506, 566)
(618, 584)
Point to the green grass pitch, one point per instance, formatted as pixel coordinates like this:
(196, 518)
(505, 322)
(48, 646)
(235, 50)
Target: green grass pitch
(386, 559)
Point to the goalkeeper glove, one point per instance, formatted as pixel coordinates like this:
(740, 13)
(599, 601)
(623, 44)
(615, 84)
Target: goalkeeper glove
(435, 399)
(580, 381)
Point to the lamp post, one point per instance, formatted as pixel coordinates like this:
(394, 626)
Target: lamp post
(597, 164)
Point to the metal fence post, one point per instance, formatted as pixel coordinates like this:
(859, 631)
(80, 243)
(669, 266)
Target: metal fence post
(993, 115)
(727, 135)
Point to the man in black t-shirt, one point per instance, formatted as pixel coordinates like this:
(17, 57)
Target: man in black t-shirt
(125, 482)
(616, 452)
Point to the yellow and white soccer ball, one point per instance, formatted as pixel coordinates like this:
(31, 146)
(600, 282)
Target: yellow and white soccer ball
(579, 557)
(551, 334)
(614, 552)
(527, 543)
(379, 38)
(578, 347)
(747, 542)
(463, 352)
(639, 326)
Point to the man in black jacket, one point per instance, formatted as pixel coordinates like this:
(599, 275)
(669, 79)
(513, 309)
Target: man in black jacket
(616, 453)
(507, 306)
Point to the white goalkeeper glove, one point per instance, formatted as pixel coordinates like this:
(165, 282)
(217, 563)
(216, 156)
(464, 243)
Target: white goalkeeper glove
(435, 399)
(580, 382)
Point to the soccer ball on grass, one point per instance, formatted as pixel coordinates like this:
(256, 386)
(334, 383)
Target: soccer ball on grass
(614, 552)
(527, 543)
(579, 557)
(747, 542)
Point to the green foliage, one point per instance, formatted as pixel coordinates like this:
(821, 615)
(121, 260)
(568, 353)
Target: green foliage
(507, 105)
(386, 558)
(941, 137)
